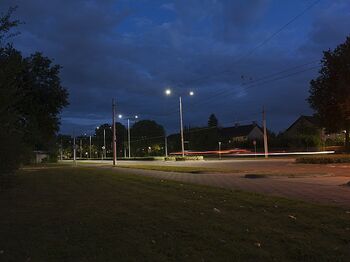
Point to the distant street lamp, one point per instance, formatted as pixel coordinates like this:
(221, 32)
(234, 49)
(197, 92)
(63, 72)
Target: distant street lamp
(191, 93)
(104, 143)
(128, 118)
(90, 148)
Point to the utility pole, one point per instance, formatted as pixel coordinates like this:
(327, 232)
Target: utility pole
(61, 150)
(114, 133)
(129, 149)
(90, 148)
(166, 145)
(182, 129)
(220, 150)
(104, 143)
(265, 134)
(81, 148)
(74, 151)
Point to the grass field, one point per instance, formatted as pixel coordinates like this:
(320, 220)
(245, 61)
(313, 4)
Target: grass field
(92, 214)
(181, 169)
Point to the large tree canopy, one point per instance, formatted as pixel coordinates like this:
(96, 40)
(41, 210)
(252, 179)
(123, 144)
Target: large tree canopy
(330, 91)
(31, 98)
(147, 138)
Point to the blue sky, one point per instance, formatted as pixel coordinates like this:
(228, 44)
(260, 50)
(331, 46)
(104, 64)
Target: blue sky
(133, 50)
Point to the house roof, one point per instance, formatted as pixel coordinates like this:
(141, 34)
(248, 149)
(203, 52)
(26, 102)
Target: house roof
(311, 119)
(237, 131)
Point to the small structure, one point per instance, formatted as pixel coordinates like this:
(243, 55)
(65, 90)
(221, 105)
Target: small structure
(39, 156)
(304, 122)
(242, 133)
(311, 126)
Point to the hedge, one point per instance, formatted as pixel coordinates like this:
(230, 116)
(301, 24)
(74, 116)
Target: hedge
(330, 159)
(185, 158)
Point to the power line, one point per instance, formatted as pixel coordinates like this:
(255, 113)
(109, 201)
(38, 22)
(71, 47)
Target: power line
(262, 43)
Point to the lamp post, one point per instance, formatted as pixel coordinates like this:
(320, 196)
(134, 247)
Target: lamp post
(128, 126)
(104, 143)
(191, 93)
(114, 133)
(74, 151)
(90, 148)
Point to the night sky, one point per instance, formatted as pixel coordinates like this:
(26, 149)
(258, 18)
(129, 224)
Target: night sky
(235, 55)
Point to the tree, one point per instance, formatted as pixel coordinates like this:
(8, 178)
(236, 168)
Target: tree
(213, 121)
(31, 98)
(147, 138)
(7, 24)
(41, 99)
(330, 91)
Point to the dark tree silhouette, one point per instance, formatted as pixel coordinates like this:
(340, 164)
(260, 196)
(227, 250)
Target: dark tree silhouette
(213, 121)
(147, 138)
(31, 98)
(330, 91)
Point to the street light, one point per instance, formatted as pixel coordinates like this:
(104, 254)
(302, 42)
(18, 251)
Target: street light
(191, 93)
(104, 143)
(129, 143)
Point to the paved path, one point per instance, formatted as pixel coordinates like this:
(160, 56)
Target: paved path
(326, 190)
(315, 183)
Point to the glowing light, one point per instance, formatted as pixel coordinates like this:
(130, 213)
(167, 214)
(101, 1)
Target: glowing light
(191, 93)
(136, 117)
(168, 92)
(120, 116)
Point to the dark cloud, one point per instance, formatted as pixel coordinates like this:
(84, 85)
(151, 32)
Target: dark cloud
(132, 50)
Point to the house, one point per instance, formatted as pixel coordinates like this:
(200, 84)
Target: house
(40, 156)
(308, 124)
(242, 133)
(304, 122)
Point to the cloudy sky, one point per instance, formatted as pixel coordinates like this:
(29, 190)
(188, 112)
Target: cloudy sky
(237, 56)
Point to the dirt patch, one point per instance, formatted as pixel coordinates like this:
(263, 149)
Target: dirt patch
(254, 176)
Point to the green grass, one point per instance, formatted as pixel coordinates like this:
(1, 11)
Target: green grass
(181, 169)
(92, 214)
(324, 159)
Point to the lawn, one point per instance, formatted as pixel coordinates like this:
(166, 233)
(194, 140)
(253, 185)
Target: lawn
(180, 169)
(93, 214)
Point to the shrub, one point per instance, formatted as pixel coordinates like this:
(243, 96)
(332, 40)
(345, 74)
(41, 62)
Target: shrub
(329, 159)
(181, 158)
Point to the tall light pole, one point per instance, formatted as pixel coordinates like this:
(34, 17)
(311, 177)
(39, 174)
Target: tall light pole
(128, 127)
(181, 128)
(220, 150)
(74, 150)
(114, 133)
(81, 148)
(191, 93)
(104, 143)
(90, 148)
(61, 150)
(166, 145)
(265, 135)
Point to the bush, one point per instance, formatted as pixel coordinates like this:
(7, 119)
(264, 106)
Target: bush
(185, 158)
(329, 159)
(146, 158)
